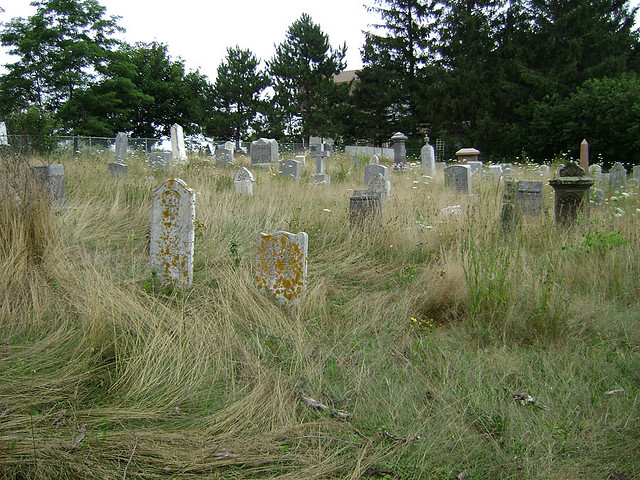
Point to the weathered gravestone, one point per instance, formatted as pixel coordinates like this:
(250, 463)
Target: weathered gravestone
(365, 209)
(595, 171)
(374, 160)
(178, 150)
(507, 169)
(243, 182)
(231, 146)
(617, 176)
(264, 151)
(495, 171)
(544, 170)
(458, 177)
(281, 265)
(528, 197)
(371, 171)
(117, 169)
(302, 159)
(399, 140)
(635, 180)
(224, 157)
(160, 160)
(320, 152)
(121, 148)
(476, 167)
(291, 169)
(508, 213)
(4, 139)
(51, 178)
(172, 232)
(380, 184)
(428, 156)
(571, 189)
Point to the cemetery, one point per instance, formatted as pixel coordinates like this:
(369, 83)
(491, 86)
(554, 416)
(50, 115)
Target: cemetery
(317, 316)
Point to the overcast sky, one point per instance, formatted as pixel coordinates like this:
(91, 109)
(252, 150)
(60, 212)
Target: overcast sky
(199, 31)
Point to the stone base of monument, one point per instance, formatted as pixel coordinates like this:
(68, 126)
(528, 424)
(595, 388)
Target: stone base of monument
(571, 190)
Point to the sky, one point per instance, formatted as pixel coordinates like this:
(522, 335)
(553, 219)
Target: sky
(200, 31)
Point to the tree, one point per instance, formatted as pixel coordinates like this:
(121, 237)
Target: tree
(392, 88)
(237, 91)
(59, 47)
(302, 71)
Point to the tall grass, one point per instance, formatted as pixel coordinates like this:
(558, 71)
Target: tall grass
(420, 332)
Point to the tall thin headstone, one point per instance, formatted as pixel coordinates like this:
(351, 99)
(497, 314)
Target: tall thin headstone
(4, 138)
(428, 158)
(172, 232)
(178, 150)
(122, 148)
(281, 265)
(243, 182)
(584, 155)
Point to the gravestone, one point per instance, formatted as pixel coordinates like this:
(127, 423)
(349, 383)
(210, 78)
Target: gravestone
(508, 213)
(172, 232)
(428, 156)
(595, 172)
(458, 177)
(544, 170)
(571, 189)
(476, 167)
(507, 169)
(224, 157)
(365, 209)
(243, 182)
(264, 151)
(117, 169)
(371, 171)
(178, 150)
(121, 149)
(597, 196)
(528, 197)
(231, 146)
(466, 155)
(291, 169)
(374, 160)
(584, 155)
(4, 139)
(635, 180)
(617, 176)
(51, 177)
(380, 184)
(160, 160)
(281, 265)
(302, 159)
(399, 140)
(320, 152)
(495, 171)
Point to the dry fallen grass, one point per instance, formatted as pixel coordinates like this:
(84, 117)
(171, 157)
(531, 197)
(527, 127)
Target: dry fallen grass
(421, 333)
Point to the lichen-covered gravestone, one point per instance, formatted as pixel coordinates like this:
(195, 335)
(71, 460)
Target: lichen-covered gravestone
(281, 265)
(459, 177)
(243, 182)
(172, 232)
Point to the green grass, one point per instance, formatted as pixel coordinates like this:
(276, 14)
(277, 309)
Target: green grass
(421, 332)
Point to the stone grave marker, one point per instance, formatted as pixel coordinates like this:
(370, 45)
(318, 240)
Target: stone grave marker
(281, 265)
(121, 149)
(495, 171)
(160, 160)
(320, 153)
(51, 177)
(597, 196)
(528, 199)
(365, 209)
(178, 150)
(584, 155)
(380, 184)
(428, 157)
(476, 167)
(264, 151)
(399, 140)
(371, 171)
(172, 232)
(635, 180)
(466, 155)
(507, 169)
(544, 170)
(571, 189)
(595, 171)
(291, 169)
(4, 139)
(508, 212)
(617, 176)
(302, 159)
(459, 177)
(374, 160)
(231, 146)
(224, 157)
(243, 182)
(117, 169)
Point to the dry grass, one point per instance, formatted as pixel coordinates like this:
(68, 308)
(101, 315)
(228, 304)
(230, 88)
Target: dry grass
(421, 331)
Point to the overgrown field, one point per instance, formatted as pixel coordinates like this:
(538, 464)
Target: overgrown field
(442, 347)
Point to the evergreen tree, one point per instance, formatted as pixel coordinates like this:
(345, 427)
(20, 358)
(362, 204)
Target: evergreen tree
(237, 90)
(302, 71)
